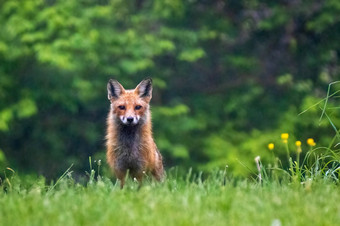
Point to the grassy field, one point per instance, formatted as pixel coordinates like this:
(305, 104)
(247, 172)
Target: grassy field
(188, 200)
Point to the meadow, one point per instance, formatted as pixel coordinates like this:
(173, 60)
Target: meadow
(216, 198)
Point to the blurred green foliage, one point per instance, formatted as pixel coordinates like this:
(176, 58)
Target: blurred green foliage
(229, 77)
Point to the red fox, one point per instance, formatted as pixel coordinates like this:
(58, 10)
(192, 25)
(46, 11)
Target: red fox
(129, 143)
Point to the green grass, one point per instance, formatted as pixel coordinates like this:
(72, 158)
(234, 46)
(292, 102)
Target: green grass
(216, 200)
(305, 193)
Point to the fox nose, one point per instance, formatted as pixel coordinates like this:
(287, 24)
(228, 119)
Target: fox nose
(129, 119)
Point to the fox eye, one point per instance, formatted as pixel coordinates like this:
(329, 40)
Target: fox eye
(138, 107)
(121, 107)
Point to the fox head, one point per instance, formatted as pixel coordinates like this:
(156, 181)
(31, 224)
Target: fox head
(130, 107)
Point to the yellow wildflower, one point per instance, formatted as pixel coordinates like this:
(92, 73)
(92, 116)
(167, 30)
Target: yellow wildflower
(298, 143)
(311, 142)
(271, 146)
(284, 137)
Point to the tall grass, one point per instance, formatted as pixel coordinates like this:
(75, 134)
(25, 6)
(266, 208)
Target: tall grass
(319, 163)
(192, 199)
(293, 196)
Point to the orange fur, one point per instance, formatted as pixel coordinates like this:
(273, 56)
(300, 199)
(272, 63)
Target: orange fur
(149, 158)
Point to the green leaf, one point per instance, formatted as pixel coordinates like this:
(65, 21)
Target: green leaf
(26, 108)
(192, 55)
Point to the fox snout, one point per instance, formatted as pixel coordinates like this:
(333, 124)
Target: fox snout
(130, 120)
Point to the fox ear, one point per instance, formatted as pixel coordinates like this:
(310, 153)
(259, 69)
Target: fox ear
(144, 88)
(114, 89)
